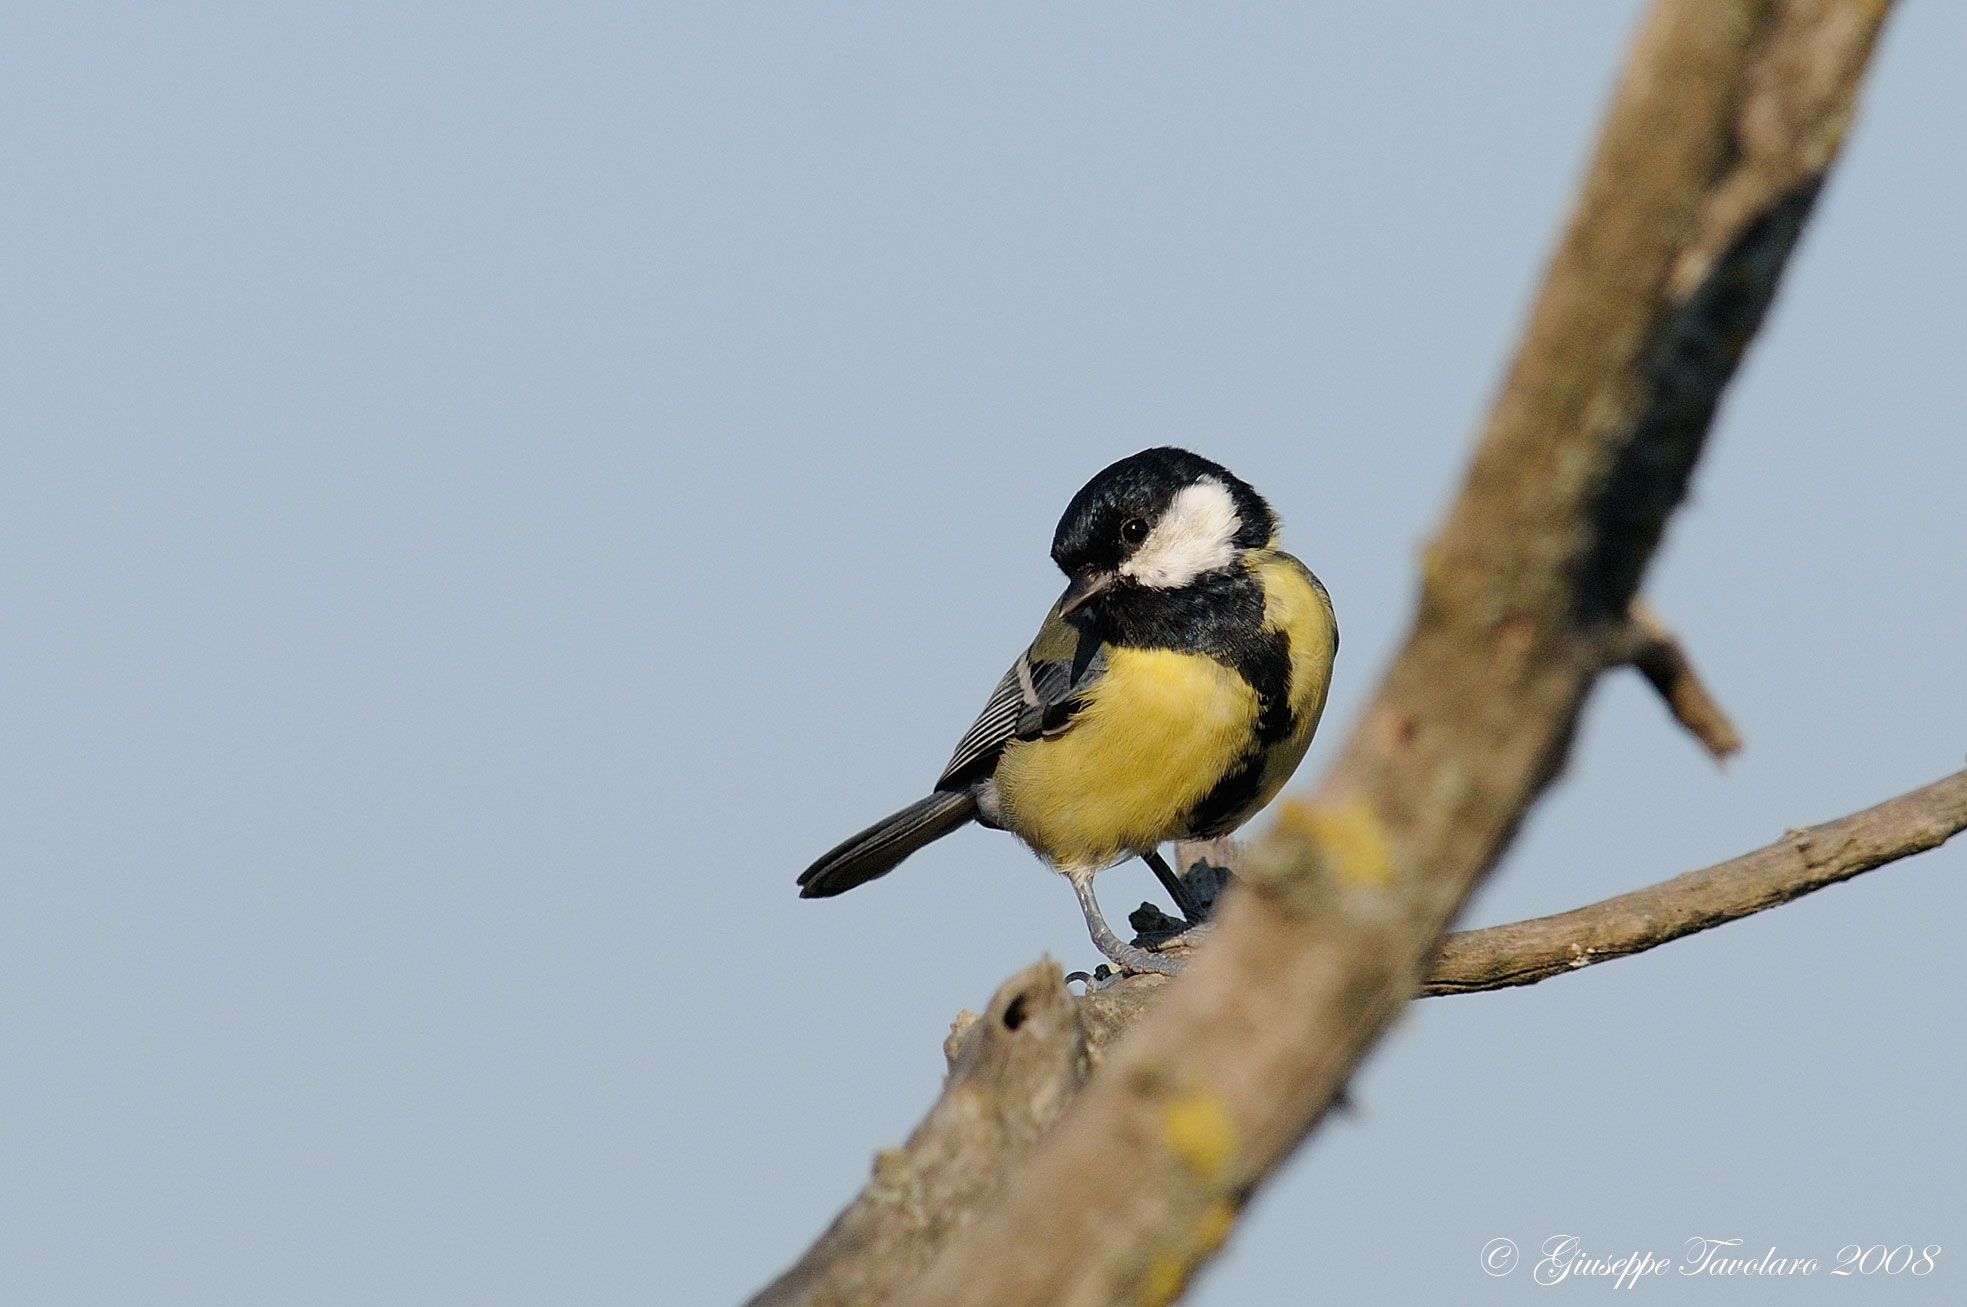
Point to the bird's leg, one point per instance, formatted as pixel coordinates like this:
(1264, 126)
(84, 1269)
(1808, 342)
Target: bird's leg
(1177, 890)
(1125, 956)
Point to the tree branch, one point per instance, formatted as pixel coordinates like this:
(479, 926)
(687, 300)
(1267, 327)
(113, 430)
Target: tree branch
(1803, 861)
(1727, 116)
(1013, 1070)
(1657, 654)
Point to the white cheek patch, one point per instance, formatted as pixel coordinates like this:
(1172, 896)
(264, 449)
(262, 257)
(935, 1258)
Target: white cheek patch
(1197, 534)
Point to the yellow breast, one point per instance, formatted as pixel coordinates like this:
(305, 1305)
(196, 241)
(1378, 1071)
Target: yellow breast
(1157, 733)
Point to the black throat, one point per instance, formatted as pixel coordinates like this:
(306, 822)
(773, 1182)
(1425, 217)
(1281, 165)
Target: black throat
(1220, 614)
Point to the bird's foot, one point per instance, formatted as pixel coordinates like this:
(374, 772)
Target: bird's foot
(1097, 979)
(1152, 926)
(1205, 882)
(1126, 957)
(1139, 960)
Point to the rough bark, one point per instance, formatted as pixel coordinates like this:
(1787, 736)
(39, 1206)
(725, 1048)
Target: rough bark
(1801, 862)
(1727, 115)
(1013, 1070)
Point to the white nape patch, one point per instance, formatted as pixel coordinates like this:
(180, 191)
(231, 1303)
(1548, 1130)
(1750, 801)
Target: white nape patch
(1197, 534)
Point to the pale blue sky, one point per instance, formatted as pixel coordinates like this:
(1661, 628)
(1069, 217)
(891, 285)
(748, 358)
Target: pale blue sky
(491, 492)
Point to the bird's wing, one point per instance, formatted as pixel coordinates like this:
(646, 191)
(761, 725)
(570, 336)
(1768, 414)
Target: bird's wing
(1038, 696)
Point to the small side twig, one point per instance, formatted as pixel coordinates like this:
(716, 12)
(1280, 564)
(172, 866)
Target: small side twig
(1651, 647)
(1525, 952)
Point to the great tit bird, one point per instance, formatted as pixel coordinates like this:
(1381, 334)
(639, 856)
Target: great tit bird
(1169, 695)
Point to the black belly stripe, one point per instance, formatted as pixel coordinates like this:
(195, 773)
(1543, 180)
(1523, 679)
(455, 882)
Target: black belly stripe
(1265, 662)
(1223, 808)
(1266, 665)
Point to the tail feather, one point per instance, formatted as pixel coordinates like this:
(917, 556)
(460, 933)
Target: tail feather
(877, 850)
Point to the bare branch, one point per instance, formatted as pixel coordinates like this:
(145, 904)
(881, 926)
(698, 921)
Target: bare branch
(1726, 118)
(1526, 952)
(1650, 647)
(1014, 1069)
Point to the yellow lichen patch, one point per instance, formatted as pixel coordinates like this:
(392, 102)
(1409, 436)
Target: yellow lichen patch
(1168, 1271)
(1200, 1132)
(1214, 1225)
(1166, 1275)
(1349, 838)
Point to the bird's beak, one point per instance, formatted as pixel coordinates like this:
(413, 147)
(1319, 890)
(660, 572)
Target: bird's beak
(1084, 586)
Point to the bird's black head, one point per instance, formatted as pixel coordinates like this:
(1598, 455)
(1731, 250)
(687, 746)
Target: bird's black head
(1158, 519)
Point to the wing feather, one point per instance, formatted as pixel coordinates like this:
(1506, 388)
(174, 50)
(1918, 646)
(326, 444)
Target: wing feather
(1038, 696)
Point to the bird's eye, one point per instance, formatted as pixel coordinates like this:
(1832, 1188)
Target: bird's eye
(1133, 530)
